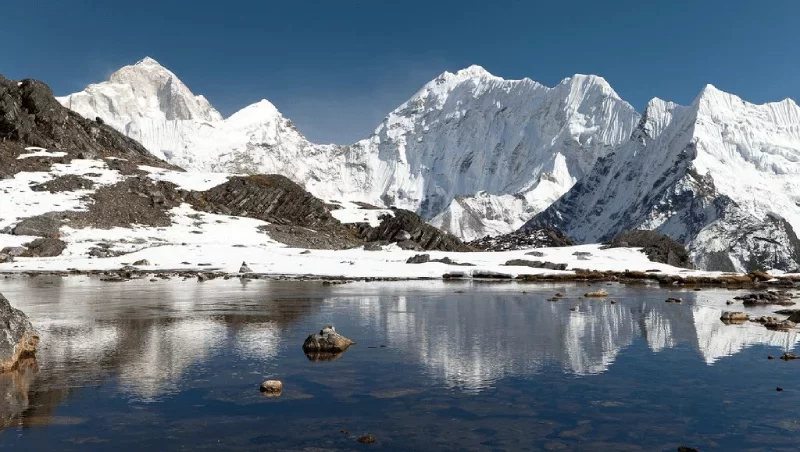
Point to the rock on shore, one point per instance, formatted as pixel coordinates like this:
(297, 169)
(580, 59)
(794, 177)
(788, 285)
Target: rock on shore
(18, 340)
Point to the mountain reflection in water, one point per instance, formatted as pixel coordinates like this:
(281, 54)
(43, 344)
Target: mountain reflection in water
(151, 341)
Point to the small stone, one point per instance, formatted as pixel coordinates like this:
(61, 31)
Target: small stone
(729, 302)
(597, 294)
(573, 309)
(686, 449)
(613, 301)
(344, 432)
(366, 439)
(770, 357)
(734, 316)
(674, 300)
(779, 389)
(153, 279)
(141, 262)
(789, 356)
(272, 387)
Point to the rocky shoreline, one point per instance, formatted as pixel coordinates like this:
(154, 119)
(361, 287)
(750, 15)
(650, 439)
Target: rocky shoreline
(734, 281)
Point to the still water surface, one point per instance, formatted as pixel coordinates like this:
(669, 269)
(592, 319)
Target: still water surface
(177, 364)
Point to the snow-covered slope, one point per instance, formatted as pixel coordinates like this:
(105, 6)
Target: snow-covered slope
(469, 135)
(721, 175)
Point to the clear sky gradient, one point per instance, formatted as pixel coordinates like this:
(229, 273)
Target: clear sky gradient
(336, 68)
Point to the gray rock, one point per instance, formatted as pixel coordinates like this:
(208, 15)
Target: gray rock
(6, 258)
(419, 259)
(44, 247)
(326, 341)
(523, 239)
(142, 262)
(46, 225)
(535, 264)
(18, 339)
(13, 251)
(244, 268)
(658, 247)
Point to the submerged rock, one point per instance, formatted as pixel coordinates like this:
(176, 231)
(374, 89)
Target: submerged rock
(789, 356)
(596, 294)
(366, 439)
(674, 300)
(326, 341)
(734, 316)
(18, 339)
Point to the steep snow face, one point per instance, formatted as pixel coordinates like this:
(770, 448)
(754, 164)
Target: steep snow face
(461, 134)
(145, 90)
(720, 175)
(472, 132)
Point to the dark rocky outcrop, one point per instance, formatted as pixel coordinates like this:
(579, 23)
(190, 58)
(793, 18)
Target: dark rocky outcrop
(409, 231)
(44, 247)
(535, 264)
(46, 225)
(765, 298)
(271, 198)
(31, 116)
(658, 247)
(425, 258)
(326, 341)
(18, 340)
(69, 182)
(523, 239)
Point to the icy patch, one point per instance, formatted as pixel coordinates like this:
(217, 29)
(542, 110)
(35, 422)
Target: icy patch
(353, 213)
(40, 152)
(198, 181)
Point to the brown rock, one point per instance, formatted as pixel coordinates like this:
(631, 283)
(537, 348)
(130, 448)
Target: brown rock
(272, 387)
(18, 339)
(326, 341)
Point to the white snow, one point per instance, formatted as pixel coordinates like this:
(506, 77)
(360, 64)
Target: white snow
(19, 201)
(40, 152)
(460, 134)
(196, 180)
(353, 213)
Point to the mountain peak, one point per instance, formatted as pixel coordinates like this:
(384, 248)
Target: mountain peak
(147, 61)
(473, 71)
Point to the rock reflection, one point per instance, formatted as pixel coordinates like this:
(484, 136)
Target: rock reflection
(14, 388)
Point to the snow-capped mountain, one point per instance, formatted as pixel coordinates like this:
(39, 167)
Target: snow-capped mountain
(721, 175)
(458, 149)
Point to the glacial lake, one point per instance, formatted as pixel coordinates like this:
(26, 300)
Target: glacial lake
(176, 365)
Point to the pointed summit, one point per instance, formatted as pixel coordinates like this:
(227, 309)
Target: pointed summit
(145, 90)
(147, 61)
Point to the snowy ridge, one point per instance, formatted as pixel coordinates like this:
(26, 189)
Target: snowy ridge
(720, 175)
(460, 134)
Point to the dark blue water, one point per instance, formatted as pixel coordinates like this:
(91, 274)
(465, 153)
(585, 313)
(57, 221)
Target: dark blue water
(176, 365)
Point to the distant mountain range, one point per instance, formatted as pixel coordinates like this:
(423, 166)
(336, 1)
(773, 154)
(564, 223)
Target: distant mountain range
(478, 155)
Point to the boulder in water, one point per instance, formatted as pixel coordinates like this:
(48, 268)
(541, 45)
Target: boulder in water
(326, 341)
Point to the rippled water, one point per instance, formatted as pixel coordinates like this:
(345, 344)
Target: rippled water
(177, 365)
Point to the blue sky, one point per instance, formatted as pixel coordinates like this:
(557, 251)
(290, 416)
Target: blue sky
(337, 68)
